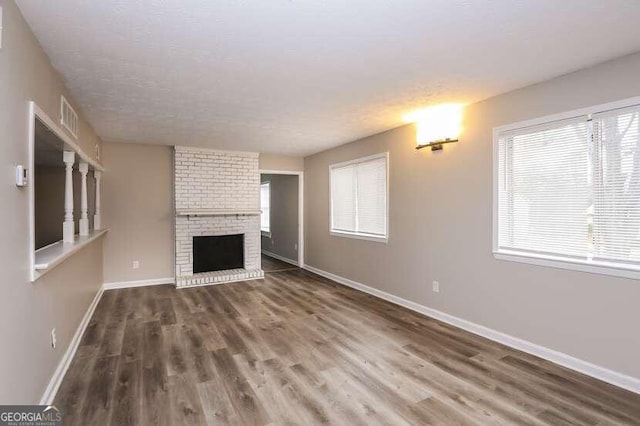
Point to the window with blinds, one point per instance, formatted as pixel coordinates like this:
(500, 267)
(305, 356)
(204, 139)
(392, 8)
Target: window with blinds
(265, 207)
(359, 198)
(570, 189)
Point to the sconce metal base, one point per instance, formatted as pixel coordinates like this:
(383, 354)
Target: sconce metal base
(436, 145)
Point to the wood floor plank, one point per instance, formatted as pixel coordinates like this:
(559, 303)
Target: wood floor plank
(167, 315)
(608, 394)
(174, 347)
(198, 361)
(274, 393)
(366, 402)
(186, 408)
(296, 348)
(127, 394)
(98, 405)
(337, 409)
(235, 341)
(216, 405)
(112, 338)
(585, 400)
(132, 341)
(463, 396)
(432, 411)
(155, 395)
(211, 337)
(73, 389)
(269, 264)
(136, 298)
(295, 397)
(95, 329)
(244, 401)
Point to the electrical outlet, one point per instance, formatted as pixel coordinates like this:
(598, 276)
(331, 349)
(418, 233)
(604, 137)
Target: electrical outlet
(54, 340)
(136, 264)
(436, 287)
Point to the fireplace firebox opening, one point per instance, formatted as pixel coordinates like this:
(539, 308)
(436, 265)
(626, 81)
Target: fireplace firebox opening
(218, 253)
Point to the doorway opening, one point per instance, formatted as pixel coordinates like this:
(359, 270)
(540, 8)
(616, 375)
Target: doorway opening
(281, 205)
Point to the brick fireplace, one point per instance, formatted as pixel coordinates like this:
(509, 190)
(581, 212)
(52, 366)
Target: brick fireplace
(217, 193)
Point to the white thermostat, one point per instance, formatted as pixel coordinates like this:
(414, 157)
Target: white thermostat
(21, 176)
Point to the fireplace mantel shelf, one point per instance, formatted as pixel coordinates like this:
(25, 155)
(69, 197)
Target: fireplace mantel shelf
(217, 212)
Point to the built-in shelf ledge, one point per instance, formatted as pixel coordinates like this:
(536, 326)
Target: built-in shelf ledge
(52, 255)
(218, 212)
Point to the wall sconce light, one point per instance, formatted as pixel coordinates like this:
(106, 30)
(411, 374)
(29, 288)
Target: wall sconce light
(437, 125)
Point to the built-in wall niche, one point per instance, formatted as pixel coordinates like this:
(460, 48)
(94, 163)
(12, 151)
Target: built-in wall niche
(64, 186)
(49, 186)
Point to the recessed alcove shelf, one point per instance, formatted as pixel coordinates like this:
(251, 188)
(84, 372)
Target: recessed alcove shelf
(52, 255)
(51, 146)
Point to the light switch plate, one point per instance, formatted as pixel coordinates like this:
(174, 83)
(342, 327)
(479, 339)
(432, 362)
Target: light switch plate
(21, 176)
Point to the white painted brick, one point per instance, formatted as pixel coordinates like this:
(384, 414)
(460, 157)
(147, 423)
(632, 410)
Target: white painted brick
(216, 179)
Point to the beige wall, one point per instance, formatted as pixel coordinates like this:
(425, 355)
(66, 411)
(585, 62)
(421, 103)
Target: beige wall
(284, 216)
(138, 210)
(440, 229)
(59, 299)
(281, 162)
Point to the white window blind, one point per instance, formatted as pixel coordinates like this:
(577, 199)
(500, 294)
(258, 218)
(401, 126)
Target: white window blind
(571, 189)
(616, 185)
(359, 197)
(265, 207)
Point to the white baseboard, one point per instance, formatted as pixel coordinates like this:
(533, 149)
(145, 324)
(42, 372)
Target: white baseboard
(613, 377)
(282, 258)
(138, 283)
(63, 365)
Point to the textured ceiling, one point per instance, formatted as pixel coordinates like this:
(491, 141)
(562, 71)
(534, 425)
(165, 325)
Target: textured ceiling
(297, 77)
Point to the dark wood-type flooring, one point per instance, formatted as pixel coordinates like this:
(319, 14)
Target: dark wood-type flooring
(269, 264)
(296, 348)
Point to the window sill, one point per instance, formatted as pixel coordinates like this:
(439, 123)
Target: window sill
(47, 258)
(358, 236)
(265, 234)
(593, 267)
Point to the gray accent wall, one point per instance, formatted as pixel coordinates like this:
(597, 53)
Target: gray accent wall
(284, 216)
(441, 229)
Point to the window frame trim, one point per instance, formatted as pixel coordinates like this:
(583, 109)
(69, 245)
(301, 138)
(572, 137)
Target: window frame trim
(361, 235)
(617, 269)
(263, 232)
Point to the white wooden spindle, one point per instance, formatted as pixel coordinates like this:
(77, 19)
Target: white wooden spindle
(68, 227)
(97, 219)
(84, 207)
